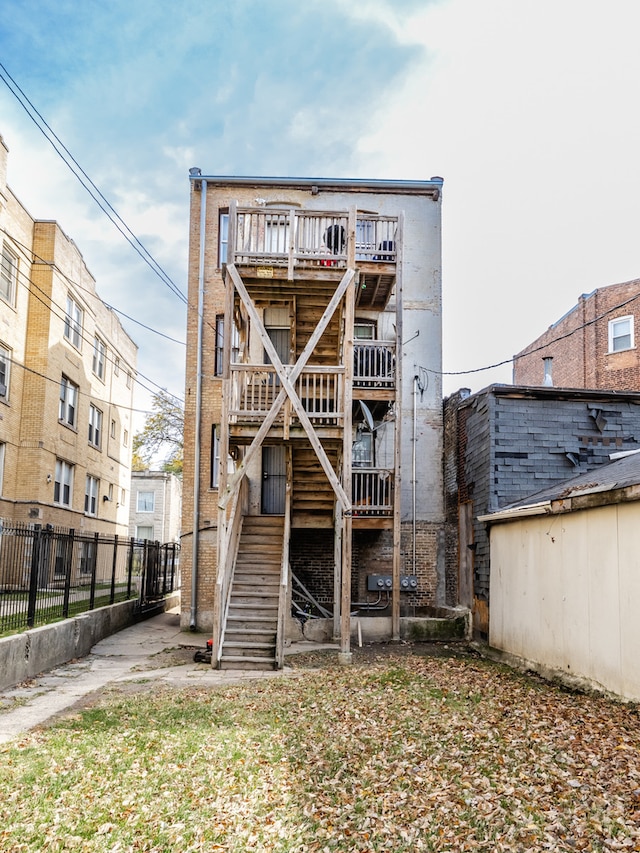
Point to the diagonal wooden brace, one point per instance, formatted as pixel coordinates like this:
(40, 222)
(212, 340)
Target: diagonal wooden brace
(288, 377)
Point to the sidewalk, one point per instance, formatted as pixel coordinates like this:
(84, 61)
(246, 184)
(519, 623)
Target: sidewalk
(134, 654)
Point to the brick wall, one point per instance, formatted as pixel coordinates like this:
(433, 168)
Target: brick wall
(578, 343)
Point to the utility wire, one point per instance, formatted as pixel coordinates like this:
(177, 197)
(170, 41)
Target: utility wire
(87, 183)
(48, 302)
(77, 285)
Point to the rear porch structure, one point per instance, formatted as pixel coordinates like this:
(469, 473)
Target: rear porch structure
(313, 424)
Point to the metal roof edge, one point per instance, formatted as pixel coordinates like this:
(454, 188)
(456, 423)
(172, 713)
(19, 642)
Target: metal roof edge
(432, 185)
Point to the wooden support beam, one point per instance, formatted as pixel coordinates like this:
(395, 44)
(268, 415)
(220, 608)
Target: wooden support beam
(288, 376)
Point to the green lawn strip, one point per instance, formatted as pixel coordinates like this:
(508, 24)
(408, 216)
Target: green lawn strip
(405, 754)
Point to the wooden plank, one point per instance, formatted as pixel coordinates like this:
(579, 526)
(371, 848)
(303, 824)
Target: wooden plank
(287, 380)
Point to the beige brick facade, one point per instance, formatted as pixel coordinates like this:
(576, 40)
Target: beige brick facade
(66, 416)
(581, 349)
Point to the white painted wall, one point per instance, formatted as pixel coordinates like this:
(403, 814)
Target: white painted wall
(565, 594)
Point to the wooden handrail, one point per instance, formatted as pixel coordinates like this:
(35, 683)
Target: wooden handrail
(229, 527)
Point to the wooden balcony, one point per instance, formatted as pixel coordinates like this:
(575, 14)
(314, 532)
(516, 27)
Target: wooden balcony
(254, 387)
(374, 370)
(292, 243)
(372, 497)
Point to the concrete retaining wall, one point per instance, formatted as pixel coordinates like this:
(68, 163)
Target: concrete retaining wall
(23, 656)
(454, 626)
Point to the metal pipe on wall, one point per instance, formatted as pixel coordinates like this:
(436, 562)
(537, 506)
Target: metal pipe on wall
(197, 435)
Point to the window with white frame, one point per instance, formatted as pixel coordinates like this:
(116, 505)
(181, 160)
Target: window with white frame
(116, 366)
(68, 401)
(5, 371)
(128, 379)
(99, 357)
(8, 275)
(63, 483)
(214, 464)
(146, 502)
(125, 438)
(223, 237)
(621, 333)
(73, 322)
(113, 428)
(91, 492)
(144, 531)
(95, 426)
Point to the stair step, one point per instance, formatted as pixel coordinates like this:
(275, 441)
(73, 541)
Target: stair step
(242, 662)
(257, 650)
(250, 635)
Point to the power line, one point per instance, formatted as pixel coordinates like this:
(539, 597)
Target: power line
(84, 179)
(562, 337)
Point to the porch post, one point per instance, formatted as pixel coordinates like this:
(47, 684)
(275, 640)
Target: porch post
(346, 656)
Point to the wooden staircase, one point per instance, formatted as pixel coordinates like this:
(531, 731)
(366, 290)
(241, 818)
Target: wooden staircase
(249, 640)
(313, 498)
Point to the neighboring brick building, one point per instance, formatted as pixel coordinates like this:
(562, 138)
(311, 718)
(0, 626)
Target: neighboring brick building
(66, 382)
(592, 346)
(324, 275)
(507, 442)
(156, 506)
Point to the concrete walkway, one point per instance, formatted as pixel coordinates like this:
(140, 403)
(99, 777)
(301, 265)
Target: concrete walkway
(125, 656)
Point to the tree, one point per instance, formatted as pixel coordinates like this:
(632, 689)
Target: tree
(161, 437)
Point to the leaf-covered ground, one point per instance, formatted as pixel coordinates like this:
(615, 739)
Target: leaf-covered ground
(401, 752)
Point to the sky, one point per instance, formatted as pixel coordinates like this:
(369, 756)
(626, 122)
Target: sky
(527, 108)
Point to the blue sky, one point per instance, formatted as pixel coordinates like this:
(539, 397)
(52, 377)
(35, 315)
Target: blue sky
(528, 110)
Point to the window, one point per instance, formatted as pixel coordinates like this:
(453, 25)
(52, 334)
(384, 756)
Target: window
(116, 366)
(144, 531)
(5, 370)
(68, 401)
(214, 467)
(2, 452)
(548, 370)
(128, 379)
(8, 275)
(125, 438)
(146, 502)
(123, 496)
(113, 428)
(91, 492)
(95, 426)
(73, 322)
(219, 344)
(363, 450)
(364, 331)
(63, 484)
(621, 334)
(99, 354)
(223, 237)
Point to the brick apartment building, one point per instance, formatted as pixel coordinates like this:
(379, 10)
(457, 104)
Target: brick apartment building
(155, 506)
(592, 346)
(312, 438)
(67, 370)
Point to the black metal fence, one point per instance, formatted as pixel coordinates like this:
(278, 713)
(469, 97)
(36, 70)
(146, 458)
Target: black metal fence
(48, 573)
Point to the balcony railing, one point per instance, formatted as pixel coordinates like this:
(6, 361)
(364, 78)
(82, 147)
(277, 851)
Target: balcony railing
(254, 387)
(372, 492)
(290, 237)
(374, 365)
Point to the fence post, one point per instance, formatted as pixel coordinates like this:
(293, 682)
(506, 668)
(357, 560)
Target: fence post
(94, 566)
(130, 567)
(112, 597)
(68, 566)
(33, 579)
(165, 548)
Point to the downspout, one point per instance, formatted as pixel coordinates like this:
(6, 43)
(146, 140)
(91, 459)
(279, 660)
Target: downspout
(196, 452)
(413, 469)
